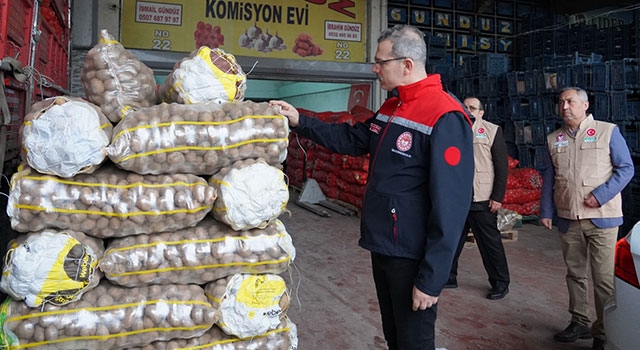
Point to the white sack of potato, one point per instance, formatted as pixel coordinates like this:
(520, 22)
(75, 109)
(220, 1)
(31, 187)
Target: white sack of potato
(249, 304)
(110, 317)
(206, 252)
(284, 337)
(51, 267)
(251, 194)
(198, 139)
(110, 202)
(65, 136)
(206, 75)
(114, 79)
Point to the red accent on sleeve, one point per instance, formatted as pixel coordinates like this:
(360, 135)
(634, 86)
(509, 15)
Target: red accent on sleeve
(452, 155)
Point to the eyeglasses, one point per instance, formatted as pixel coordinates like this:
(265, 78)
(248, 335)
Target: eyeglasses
(473, 108)
(382, 62)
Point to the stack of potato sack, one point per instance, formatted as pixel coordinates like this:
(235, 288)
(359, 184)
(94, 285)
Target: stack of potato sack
(120, 239)
(301, 156)
(339, 176)
(524, 189)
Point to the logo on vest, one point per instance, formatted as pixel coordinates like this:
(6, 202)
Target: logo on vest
(591, 135)
(404, 141)
(560, 141)
(481, 133)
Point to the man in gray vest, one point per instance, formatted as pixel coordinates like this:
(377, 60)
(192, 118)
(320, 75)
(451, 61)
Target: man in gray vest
(587, 167)
(489, 187)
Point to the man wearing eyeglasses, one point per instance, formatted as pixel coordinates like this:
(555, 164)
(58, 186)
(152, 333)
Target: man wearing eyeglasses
(489, 187)
(419, 184)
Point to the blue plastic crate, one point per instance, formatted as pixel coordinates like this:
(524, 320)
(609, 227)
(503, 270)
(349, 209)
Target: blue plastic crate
(524, 156)
(509, 132)
(549, 105)
(587, 59)
(622, 108)
(487, 86)
(633, 109)
(537, 133)
(564, 79)
(599, 106)
(515, 83)
(550, 125)
(518, 110)
(538, 156)
(623, 74)
(535, 108)
(630, 133)
(494, 109)
(579, 76)
(600, 77)
(493, 64)
(520, 129)
(539, 80)
(470, 86)
(530, 83)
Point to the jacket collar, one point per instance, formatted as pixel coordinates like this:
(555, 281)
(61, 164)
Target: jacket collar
(419, 88)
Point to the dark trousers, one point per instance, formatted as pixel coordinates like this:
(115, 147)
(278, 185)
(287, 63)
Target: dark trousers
(483, 223)
(404, 329)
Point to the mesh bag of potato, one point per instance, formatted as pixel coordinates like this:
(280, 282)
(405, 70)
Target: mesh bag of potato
(51, 267)
(108, 203)
(284, 337)
(251, 194)
(206, 75)
(249, 305)
(201, 254)
(65, 136)
(110, 317)
(198, 139)
(114, 79)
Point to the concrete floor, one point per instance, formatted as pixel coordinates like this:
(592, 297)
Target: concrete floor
(334, 304)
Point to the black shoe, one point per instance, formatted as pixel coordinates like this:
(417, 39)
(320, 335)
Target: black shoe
(497, 293)
(598, 344)
(451, 284)
(572, 333)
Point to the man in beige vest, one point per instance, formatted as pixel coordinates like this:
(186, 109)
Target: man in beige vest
(489, 187)
(587, 167)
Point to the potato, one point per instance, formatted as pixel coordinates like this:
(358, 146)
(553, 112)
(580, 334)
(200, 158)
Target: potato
(150, 141)
(114, 79)
(284, 337)
(121, 323)
(84, 203)
(185, 257)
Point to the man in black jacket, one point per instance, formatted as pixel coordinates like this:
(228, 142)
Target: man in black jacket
(419, 184)
(489, 187)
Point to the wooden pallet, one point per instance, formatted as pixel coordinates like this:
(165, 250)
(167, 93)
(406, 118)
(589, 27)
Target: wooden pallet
(507, 236)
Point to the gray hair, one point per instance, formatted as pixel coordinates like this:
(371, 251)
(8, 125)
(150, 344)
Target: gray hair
(408, 41)
(580, 91)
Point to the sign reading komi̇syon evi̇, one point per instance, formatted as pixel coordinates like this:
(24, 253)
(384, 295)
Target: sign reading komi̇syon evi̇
(312, 29)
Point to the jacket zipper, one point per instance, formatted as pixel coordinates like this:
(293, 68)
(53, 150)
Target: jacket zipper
(372, 164)
(395, 225)
(384, 132)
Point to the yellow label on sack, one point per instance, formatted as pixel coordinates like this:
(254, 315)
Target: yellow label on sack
(260, 292)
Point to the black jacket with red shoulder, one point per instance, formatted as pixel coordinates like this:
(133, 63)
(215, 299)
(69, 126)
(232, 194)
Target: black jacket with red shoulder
(420, 175)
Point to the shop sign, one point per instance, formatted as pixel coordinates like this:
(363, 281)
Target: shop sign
(325, 30)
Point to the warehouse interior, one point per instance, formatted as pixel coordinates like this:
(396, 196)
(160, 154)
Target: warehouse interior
(514, 55)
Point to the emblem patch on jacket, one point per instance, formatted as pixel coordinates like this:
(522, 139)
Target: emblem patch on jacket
(561, 141)
(375, 128)
(481, 133)
(404, 141)
(591, 135)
